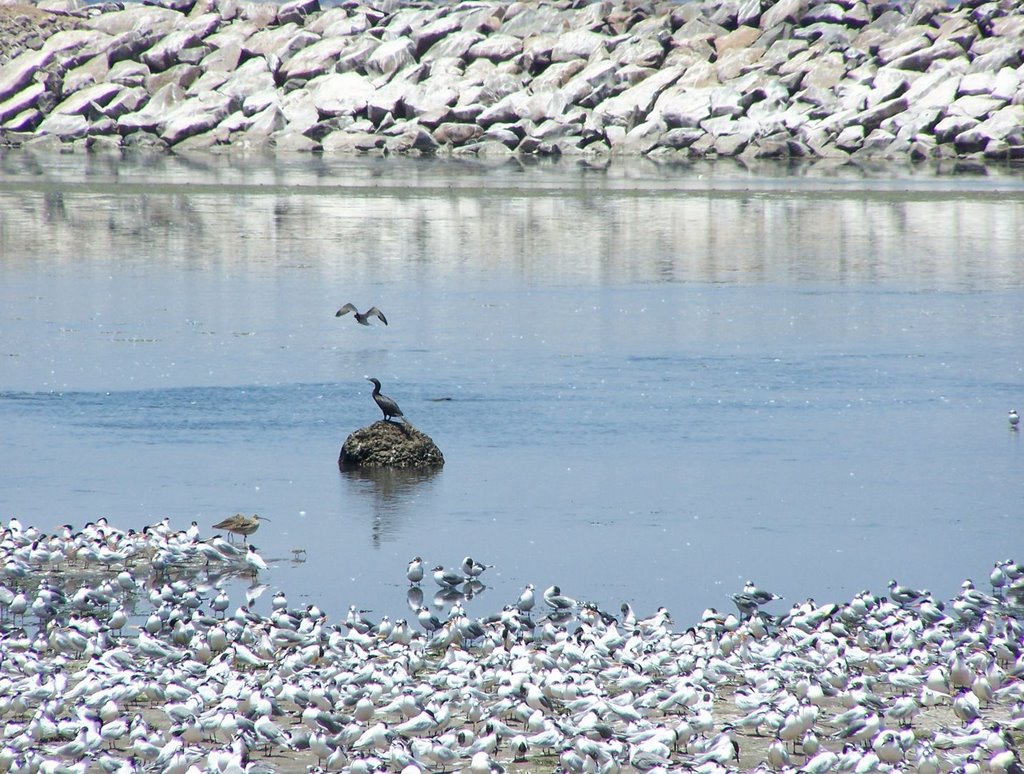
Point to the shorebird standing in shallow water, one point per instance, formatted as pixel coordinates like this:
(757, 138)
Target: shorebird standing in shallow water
(387, 406)
(362, 317)
(241, 525)
(1014, 419)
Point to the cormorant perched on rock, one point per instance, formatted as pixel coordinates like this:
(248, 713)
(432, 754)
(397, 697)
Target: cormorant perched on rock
(362, 318)
(386, 405)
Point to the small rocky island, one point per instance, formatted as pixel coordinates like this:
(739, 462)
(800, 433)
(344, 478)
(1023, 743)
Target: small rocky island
(390, 445)
(749, 78)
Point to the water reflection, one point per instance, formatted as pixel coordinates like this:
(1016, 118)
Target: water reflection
(390, 495)
(532, 219)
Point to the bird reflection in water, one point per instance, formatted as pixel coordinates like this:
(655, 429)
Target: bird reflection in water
(389, 491)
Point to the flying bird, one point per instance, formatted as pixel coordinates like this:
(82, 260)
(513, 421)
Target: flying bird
(362, 317)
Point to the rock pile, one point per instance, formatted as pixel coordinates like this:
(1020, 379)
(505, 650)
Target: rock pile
(725, 77)
(390, 445)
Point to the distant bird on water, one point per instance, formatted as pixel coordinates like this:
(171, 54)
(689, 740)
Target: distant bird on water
(362, 317)
(1014, 419)
(241, 525)
(387, 406)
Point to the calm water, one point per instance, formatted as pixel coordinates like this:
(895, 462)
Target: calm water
(650, 384)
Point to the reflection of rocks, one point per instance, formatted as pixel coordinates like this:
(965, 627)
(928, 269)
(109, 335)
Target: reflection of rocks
(390, 445)
(388, 490)
(794, 78)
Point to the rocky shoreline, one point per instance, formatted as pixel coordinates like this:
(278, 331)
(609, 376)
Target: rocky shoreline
(794, 78)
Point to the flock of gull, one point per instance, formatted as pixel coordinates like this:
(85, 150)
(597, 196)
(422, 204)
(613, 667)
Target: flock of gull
(122, 652)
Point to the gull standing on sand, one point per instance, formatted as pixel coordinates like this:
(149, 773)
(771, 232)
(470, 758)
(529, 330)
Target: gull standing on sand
(414, 572)
(472, 568)
(556, 600)
(362, 317)
(446, 578)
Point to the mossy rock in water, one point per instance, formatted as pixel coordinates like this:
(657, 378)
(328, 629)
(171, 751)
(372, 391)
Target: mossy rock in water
(389, 445)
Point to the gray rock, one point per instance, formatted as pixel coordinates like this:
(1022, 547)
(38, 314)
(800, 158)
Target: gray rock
(978, 83)
(556, 76)
(923, 59)
(680, 137)
(878, 144)
(270, 42)
(290, 141)
(934, 89)
(726, 101)
(830, 13)
(257, 102)
(341, 93)
(318, 58)
(184, 75)
(88, 100)
(150, 115)
(210, 80)
(906, 42)
(92, 71)
(356, 55)
(297, 11)
(631, 106)
(414, 138)
(299, 108)
(887, 84)
(18, 72)
(426, 36)
(851, 138)
(496, 48)
(599, 73)
(1003, 54)
(502, 135)
(1007, 84)
(641, 52)
(783, 11)
(223, 59)
(577, 44)
(21, 102)
(1006, 124)
(251, 76)
(66, 126)
(194, 115)
(168, 50)
(390, 57)
(430, 95)
(949, 127)
(128, 73)
(455, 45)
(127, 100)
(730, 144)
(975, 107)
(874, 115)
(266, 122)
(507, 110)
(683, 108)
(352, 142)
(141, 19)
(735, 62)
(457, 134)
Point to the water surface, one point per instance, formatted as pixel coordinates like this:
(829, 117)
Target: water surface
(649, 383)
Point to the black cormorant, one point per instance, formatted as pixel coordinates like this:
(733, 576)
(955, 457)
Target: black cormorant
(386, 405)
